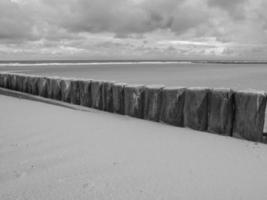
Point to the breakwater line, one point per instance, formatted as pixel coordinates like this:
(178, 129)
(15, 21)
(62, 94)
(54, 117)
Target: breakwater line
(222, 111)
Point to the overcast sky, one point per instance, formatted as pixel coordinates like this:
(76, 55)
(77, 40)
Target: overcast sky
(133, 29)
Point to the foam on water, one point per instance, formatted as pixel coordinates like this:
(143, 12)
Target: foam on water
(4, 64)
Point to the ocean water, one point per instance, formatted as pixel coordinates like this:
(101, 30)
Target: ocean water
(245, 75)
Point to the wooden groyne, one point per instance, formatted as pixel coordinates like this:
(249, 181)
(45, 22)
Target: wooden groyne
(228, 112)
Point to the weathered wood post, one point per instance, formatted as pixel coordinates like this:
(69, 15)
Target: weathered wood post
(118, 97)
(42, 87)
(172, 106)
(1, 80)
(34, 86)
(75, 92)
(56, 88)
(153, 101)
(13, 82)
(196, 108)
(25, 84)
(134, 100)
(85, 93)
(220, 111)
(20, 80)
(107, 96)
(65, 90)
(249, 115)
(8, 81)
(50, 87)
(96, 94)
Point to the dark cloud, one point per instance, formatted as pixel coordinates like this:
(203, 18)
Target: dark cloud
(234, 7)
(16, 23)
(226, 4)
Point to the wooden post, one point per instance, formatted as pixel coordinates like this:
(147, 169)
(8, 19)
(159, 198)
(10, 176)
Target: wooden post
(172, 106)
(196, 108)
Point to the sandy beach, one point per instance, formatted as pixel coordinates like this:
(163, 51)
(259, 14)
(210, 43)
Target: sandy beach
(51, 152)
(189, 63)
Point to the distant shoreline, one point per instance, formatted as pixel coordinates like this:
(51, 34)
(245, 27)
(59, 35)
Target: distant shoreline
(96, 62)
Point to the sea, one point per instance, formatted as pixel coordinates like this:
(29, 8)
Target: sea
(241, 75)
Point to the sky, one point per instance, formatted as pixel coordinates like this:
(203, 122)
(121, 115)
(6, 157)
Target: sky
(133, 29)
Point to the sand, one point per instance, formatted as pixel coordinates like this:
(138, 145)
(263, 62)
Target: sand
(51, 152)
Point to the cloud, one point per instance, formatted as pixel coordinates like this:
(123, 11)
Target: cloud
(123, 17)
(227, 5)
(15, 23)
(100, 27)
(236, 8)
